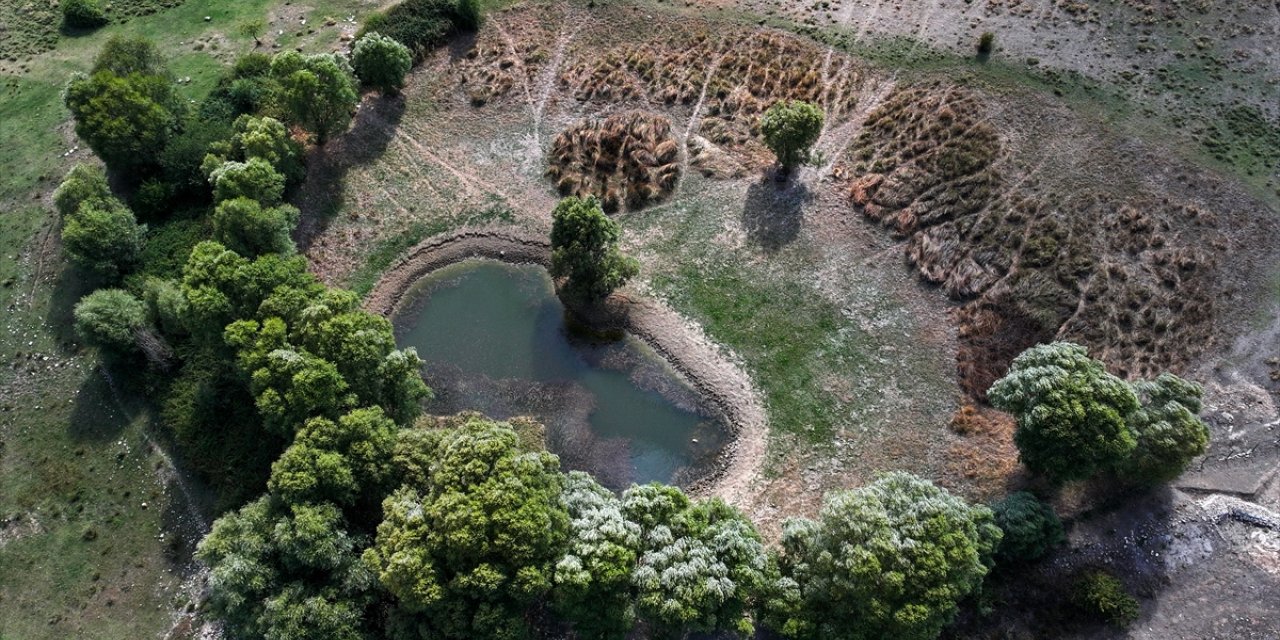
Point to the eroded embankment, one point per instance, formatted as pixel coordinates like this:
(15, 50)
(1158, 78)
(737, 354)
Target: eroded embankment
(724, 384)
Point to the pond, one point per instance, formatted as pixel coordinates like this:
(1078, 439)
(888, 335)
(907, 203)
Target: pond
(494, 340)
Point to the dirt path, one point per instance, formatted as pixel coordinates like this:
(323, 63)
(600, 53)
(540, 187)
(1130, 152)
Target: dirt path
(705, 365)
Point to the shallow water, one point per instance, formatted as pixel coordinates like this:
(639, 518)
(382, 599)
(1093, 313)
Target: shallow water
(494, 340)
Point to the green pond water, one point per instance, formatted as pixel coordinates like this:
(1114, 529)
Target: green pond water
(494, 340)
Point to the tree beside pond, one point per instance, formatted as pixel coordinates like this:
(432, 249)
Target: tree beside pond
(585, 253)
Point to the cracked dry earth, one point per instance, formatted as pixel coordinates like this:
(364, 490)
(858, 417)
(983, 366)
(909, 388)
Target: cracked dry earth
(1033, 222)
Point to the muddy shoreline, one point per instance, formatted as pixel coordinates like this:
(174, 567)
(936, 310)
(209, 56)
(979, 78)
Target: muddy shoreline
(681, 343)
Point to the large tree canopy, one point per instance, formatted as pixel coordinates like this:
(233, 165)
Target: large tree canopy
(317, 91)
(1072, 415)
(381, 62)
(103, 237)
(126, 109)
(467, 551)
(584, 251)
(888, 560)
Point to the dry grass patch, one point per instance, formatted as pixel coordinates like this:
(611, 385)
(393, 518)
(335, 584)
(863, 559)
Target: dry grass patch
(628, 157)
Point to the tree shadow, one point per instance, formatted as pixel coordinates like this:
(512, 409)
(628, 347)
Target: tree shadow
(72, 284)
(320, 196)
(461, 44)
(774, 211)
(99, 414)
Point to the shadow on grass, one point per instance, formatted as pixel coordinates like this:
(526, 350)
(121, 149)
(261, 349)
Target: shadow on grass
(100, 413)
(774, 211)
(72, 285)
(320, 196)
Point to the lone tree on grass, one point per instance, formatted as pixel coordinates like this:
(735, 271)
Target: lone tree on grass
(1072, 415)
(790, 128)
(381, 62)
(584, 251)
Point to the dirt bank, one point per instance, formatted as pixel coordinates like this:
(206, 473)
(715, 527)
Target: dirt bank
(705, 365)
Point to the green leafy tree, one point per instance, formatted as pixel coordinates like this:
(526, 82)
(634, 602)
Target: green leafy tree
(126, 109)
(221, 286)
(888, 560)
(255, 180)
(263, 138)
(317, 92)
(250, 229)
(702, 566)
(467, 552)
(381, 62)
(84, 183)
(109, 320)
(789, 129)
(1031, 528)
(1168, 428)
(103, 238)
(593, 578)
(584, 251)
(343, 462)
(1072, 414)
(83, 14)
(286, 572)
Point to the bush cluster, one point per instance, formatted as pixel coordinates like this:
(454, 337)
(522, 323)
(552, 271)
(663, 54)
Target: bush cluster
(83, 14)
(423, 25)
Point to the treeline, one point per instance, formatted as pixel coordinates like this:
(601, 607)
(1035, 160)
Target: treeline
(379, 523)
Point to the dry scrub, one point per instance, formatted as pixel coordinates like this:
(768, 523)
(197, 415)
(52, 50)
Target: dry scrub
(628, 157)
(1133, 279)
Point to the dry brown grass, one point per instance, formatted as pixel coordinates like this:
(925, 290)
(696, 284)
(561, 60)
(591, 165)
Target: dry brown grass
(629, 157)
(1130, 277)
(985, 461)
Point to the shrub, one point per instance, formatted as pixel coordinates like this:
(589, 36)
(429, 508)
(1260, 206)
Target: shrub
(422, 25)
(986, 43)
(381, 62)
(888, 560)
(181, 160)
(250, 229)
(1168, 428)
(255, 179)
(84, 183)
(1104, 597)
(109, 319)
(1030, 527)
(1072, 414)
(789, 128)
(153, 199)
(83, 14)
(103, 238)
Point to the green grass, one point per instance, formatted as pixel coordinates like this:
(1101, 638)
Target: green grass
(390, 249)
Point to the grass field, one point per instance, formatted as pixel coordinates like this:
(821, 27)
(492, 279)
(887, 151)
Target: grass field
(80, 556)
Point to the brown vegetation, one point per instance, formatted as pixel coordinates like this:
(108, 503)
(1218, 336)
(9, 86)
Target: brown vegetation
(1129, 278)
(986, 459)
(628, 157)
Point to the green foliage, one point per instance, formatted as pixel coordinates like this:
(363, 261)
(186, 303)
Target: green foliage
(888, 560)
(381, 62)
(250, 229)
(109, 319)
(1030, 527)
(1072, 414)
(584, 251)
(264, 139)
(103, 238)
(1168, 428)
(342, 462)
(255, 180)
(221, 286)
(470, 549)
(789, 128)
(84, 183)
(180, 162)
(593, 578)
(423, 25)
(1104, 597)
(166, 308)
(126, 110)
(317, 91)
(986, 43)
(83, 14)
(168, 246)
(286, 572)
(702, 565)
